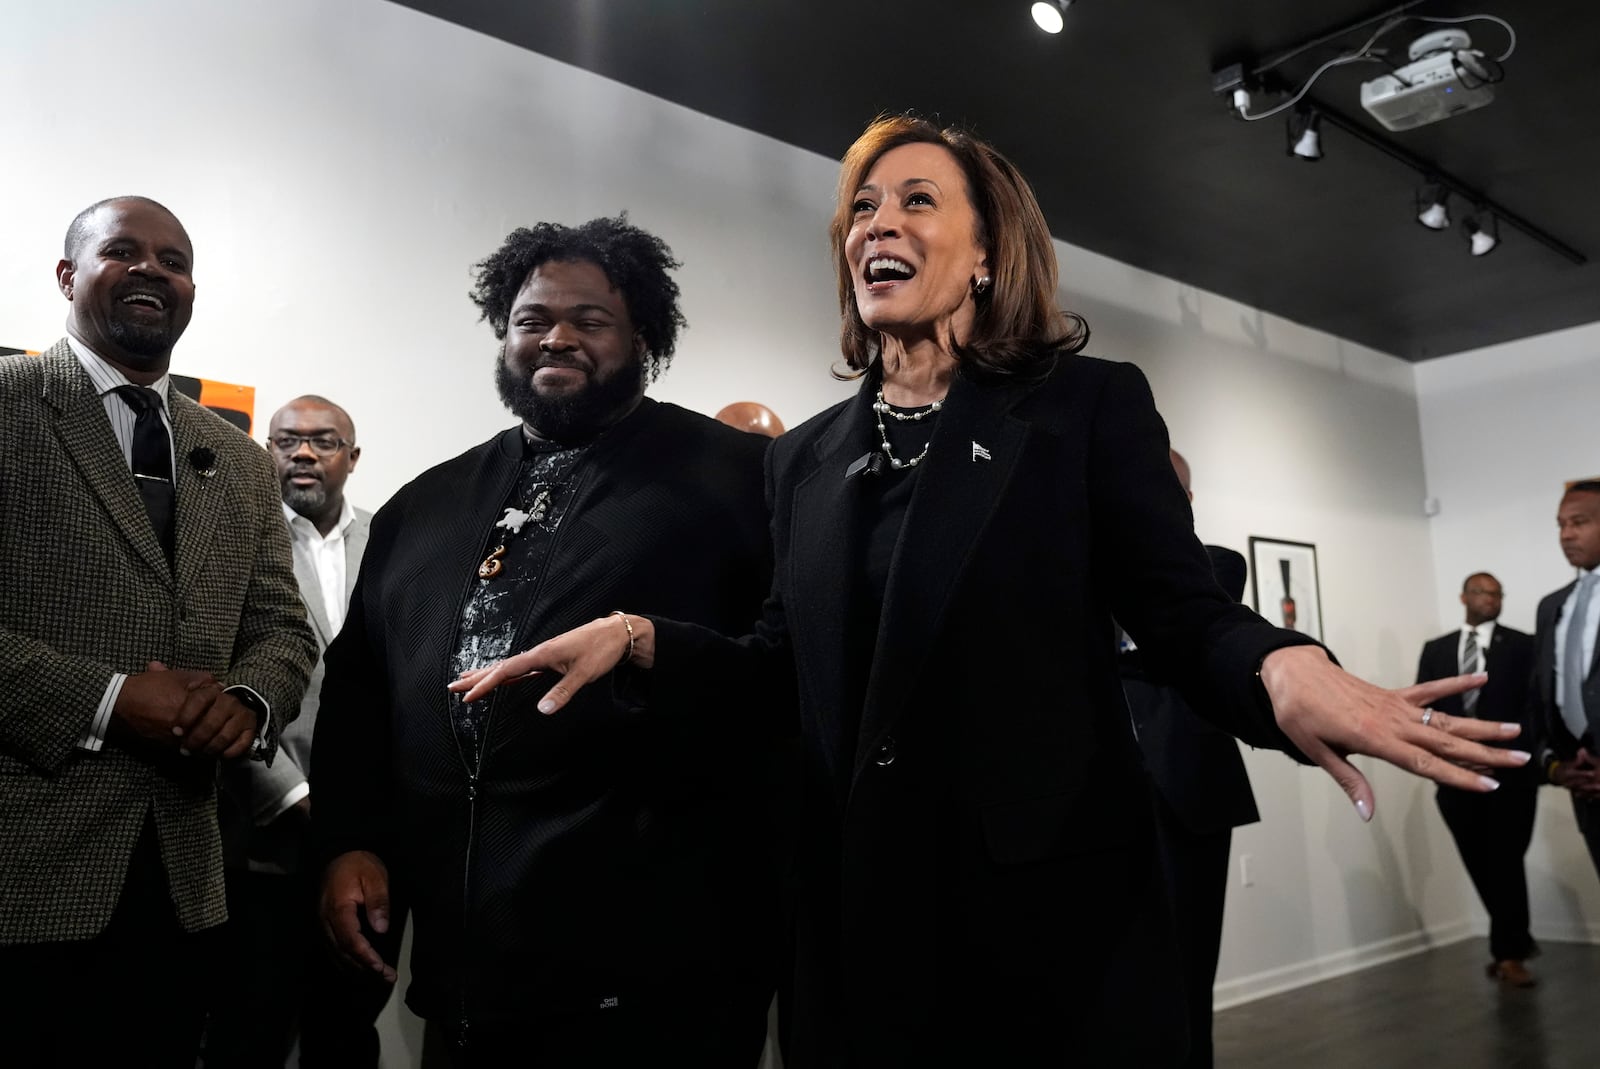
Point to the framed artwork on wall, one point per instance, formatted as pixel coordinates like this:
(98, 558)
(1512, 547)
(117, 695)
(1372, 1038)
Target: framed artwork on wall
(1284, 586)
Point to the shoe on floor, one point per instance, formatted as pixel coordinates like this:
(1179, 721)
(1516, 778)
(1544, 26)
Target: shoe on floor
(1511, 974)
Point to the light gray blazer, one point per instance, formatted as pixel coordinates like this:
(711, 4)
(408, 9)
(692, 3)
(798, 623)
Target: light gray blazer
(259, 788)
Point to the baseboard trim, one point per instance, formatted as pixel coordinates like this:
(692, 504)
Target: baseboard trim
(1288, 977)
(1567, 933)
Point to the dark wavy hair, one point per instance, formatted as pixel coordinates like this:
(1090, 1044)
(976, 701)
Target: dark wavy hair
(1017, 328)
(636, 263)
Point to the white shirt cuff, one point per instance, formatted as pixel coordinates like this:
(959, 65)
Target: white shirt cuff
(94, 736)
(259, 743)
(287, 802)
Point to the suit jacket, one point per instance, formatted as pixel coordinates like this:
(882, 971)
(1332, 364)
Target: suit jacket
(600, 853)
(89, 593)
(1194, 764)
(257, 789)
(1558, 743)
(1509, 661)
(984, 849)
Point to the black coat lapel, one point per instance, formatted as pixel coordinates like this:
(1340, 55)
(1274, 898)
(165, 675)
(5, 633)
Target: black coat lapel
(825, 537)
(458, 531)
(974, 449)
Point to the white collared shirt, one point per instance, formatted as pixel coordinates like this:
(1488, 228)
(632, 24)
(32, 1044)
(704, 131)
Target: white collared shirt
(325, 555)
(1484, 633)
(106, 379)
(1577, 723)
(122, 417)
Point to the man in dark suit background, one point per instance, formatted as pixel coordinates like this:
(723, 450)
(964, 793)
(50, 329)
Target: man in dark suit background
(285, 982)
(591, 889)
(1201, 794)
(1492, 831)
(150, 628)
(1566, 689)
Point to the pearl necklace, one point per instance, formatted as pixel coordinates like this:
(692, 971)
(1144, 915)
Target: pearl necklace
(881, 407)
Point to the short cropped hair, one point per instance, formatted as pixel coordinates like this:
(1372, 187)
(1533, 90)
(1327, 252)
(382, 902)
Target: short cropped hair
(78, 229)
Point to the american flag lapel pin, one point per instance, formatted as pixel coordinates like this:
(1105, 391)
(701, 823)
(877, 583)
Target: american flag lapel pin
(979, 453)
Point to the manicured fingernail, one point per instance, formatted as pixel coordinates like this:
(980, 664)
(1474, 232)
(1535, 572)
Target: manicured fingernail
(1363, 809)
(1510, 729)
(1489, 783)
(183, 751)
(547, 706)
(176, 730)
(1522, 757)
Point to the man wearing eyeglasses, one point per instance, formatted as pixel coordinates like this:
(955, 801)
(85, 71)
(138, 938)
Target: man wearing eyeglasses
(284, 981)
(1492, 831)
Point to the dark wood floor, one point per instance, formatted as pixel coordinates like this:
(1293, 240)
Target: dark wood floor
(1431, 1010)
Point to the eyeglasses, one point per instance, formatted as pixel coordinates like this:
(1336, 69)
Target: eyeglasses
(324, 445)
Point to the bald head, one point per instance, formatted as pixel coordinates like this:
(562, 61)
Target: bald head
(1181, 466)
(313, 443)
(81, 229)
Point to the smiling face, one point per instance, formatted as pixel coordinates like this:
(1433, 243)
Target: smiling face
(129, 282)
(913, 247)
(572, 364)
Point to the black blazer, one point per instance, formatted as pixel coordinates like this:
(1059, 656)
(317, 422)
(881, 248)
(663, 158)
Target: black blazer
(985, 861)
(1194, 764)
(1509, 662)
(1558, 743)
(605, 853)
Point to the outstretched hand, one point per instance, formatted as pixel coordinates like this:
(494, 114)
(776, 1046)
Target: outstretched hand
(1330, 714)
(579, 656)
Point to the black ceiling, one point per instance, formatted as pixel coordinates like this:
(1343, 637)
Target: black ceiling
(1133, 157)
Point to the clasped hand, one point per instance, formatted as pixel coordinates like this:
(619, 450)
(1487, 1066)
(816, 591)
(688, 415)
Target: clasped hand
(182, 710)
(1581, 775)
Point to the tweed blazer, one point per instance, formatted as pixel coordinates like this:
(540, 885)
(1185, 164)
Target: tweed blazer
(88, 592)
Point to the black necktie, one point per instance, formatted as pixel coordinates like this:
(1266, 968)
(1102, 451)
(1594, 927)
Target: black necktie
(152, 461)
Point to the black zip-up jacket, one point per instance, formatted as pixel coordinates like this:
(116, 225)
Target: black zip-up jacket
(603, 855)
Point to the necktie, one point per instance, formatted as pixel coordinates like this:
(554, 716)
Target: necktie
(152, 461)
(1469, 664)
(1573, 667)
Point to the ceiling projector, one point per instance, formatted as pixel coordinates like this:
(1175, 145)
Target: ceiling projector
(1445, 77)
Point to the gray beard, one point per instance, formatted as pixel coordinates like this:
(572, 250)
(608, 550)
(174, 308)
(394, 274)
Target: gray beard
(308, 501)
(141, 340)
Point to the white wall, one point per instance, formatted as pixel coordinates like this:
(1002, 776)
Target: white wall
(341, 164)
(1293, 433)
(1504, 429)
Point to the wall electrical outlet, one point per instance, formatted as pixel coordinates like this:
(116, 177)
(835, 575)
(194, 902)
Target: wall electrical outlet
(1246, 876)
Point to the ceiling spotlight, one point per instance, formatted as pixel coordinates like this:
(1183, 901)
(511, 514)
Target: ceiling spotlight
(1432, 211)
(1482, 240)
(1049, 16)
(1305, 137)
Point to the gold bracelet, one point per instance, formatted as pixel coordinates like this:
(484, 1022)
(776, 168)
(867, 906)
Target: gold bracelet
(629, 656)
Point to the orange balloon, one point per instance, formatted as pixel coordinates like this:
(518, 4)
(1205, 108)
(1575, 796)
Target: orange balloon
(753, 417)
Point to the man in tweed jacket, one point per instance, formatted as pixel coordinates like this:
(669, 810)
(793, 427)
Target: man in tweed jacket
(130, 663)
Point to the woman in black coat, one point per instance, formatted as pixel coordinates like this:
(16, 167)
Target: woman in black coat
(978, 873)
